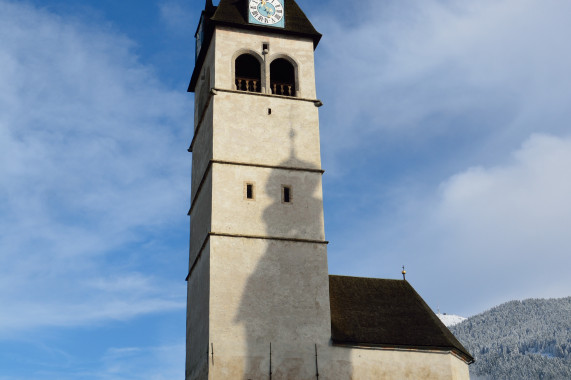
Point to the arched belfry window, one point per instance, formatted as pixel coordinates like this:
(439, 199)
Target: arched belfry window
(248, 73)
(282, 77)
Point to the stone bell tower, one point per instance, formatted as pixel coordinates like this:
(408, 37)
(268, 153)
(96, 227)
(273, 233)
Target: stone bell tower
(258, 300)
(261, 304)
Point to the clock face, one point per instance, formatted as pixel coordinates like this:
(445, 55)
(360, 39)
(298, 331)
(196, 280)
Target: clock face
(266, 12)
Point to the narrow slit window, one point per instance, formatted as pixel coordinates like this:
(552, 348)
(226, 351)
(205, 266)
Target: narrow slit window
(250, 191)
(286, 194)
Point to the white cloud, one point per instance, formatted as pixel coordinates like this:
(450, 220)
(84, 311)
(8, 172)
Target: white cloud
(486, 235)
(413, 70)
(512, 221)
(441, 92)
(87, 135)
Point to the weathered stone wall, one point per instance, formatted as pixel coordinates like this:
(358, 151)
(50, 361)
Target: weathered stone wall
(266, 291)
(200, 219)
(197, 318)
(267, 215)
(205, 82)
(333, 362)
(244, 132)
(232, 42)
(393, 364)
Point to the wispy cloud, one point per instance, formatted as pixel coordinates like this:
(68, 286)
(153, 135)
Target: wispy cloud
(87, 135)
(450, 121)
(494, 70)
(177, 16)
(486, 235)
(133, 362)
(510, 223)
(159, 362)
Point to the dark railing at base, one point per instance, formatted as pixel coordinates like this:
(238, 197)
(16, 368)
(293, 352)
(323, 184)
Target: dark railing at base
(285, 89)
(248, 84)
(253, 85)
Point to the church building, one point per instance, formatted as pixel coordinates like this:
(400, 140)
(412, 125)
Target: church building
(261, 302)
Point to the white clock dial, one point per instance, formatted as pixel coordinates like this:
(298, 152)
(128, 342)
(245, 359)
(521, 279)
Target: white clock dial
(268, 12)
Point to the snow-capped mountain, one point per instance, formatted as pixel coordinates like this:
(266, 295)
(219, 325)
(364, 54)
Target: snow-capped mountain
(450, 319)
(529, 339)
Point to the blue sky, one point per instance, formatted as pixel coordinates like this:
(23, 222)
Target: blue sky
(445, 140)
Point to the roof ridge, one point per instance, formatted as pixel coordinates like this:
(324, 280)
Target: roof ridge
(368, 278)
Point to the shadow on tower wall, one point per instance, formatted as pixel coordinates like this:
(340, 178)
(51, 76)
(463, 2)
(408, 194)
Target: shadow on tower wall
(285, 302)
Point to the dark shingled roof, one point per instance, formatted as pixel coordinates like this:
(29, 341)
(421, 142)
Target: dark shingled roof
(386, 313)
(234, 13)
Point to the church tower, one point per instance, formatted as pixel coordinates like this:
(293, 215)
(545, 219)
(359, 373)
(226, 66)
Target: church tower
(261, 304)
(258, 279)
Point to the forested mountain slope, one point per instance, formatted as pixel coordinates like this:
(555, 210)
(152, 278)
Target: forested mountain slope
(528, 339)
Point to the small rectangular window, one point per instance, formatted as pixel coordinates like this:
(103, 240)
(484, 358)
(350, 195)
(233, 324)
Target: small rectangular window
(249, 191)
(286, 194)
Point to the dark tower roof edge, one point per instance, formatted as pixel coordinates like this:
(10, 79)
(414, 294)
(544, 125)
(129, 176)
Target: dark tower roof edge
(233, 13)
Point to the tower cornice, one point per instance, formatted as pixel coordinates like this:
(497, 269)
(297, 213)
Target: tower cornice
(257, 237)
(219, 162)
(213, 91)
